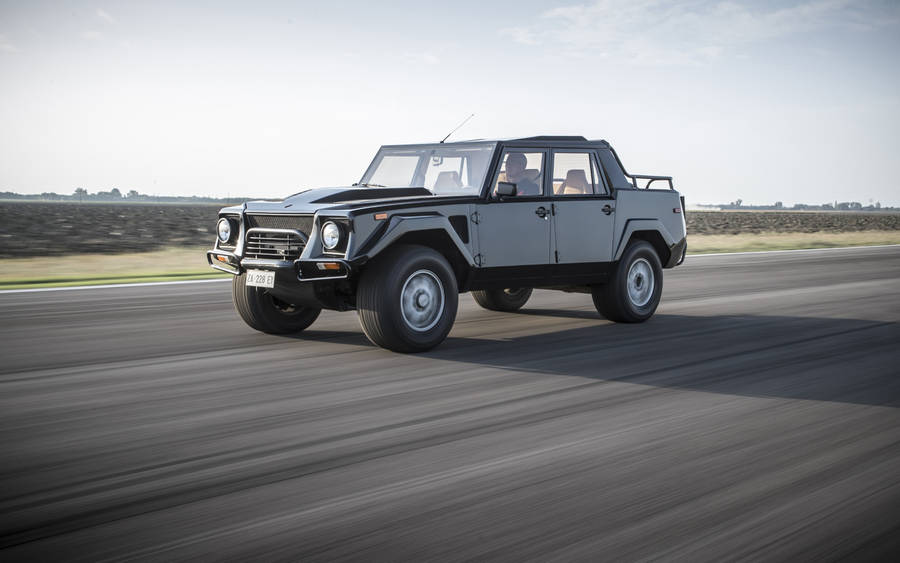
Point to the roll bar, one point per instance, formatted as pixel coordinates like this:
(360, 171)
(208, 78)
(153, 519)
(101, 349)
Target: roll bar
(635, 177)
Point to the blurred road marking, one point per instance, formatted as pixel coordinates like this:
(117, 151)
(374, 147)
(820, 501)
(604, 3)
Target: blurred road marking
(146, 284)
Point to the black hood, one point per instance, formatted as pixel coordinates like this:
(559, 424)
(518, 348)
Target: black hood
(310, 201)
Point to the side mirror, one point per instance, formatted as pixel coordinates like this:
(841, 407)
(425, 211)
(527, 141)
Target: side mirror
(506, 189)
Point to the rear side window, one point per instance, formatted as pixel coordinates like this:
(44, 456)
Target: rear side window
(576, 173)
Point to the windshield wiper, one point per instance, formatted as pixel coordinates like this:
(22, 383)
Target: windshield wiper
(366, 185)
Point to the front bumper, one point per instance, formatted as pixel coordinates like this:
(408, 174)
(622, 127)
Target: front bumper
(312, 270)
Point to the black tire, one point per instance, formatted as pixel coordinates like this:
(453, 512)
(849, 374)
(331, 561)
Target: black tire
(418, 277)
(507, 300)
(615, 301)
(265, 313)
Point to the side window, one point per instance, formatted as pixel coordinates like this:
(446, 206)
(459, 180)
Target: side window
(576, 173)
(524, 169)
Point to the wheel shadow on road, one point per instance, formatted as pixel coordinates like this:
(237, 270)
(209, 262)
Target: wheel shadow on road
(823, 359)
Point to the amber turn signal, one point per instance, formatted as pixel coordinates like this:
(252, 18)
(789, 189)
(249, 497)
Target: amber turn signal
(328, 266)
(380, 216)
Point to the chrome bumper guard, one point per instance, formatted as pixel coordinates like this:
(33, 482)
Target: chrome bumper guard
(224, 260)
(323, 269)
(319, 269)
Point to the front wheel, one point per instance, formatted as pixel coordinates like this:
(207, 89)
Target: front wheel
(407, 299)
(508, 300)
(633, 291)
(266, 313)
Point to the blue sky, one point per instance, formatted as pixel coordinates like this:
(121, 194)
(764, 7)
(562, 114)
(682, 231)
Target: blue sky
(764, 101)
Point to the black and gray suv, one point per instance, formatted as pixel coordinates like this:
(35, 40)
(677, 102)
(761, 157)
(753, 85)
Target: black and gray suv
(428, 222)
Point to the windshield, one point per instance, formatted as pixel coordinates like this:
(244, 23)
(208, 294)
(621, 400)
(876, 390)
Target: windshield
(445, 170)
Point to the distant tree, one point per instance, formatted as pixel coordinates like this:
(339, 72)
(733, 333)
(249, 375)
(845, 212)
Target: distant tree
(115, 193)
(80, 193)
(133, 194)
(779, 205)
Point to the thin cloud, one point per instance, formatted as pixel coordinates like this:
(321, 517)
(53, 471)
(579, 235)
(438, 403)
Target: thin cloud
(523, 35)
(679, 32)
(6, 45)
(91, 35)
(425, 57)
(104, 15)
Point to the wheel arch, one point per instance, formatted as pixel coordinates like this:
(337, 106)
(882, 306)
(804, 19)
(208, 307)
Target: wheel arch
(432, 231)
(651, 231)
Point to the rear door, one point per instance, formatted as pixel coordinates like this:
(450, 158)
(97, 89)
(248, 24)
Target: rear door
(515, 232)
(584, 209)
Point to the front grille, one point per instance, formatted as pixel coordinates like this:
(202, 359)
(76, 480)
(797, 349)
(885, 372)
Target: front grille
(273, 245)
(302, 223)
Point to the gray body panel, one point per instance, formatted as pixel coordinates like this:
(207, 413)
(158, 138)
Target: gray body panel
(510, 233)
(647, 210)
(583, 232)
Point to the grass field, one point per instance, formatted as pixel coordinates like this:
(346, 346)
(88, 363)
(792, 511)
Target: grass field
(98, 269)
(190, 263)
(704, 244)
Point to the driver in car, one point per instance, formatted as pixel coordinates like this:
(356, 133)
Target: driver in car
(515, 173)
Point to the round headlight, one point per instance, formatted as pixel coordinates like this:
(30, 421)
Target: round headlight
(331, 235)
(223, 229)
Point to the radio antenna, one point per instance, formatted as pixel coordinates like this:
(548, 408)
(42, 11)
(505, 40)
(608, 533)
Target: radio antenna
(457, 127)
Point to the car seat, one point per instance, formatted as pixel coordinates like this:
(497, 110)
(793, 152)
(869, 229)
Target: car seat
(576, 183)
(447, 181)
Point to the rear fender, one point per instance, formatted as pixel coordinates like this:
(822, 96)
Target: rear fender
(637, 225)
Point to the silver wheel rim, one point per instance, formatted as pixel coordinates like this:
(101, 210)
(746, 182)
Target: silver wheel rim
(640, 282)
(422, 300)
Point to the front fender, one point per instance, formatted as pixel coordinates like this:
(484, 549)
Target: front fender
(400, 225)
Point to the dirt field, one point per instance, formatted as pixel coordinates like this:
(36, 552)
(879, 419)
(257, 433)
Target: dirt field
(55, 229)
(752, 222)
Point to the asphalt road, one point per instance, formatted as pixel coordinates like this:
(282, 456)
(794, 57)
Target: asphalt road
(756, 416)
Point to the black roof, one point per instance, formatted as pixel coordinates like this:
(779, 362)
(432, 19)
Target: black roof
(551, 138)
(557, 140)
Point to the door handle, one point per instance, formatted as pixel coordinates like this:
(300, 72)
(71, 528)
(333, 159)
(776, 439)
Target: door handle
(608, 209)
(542, 212)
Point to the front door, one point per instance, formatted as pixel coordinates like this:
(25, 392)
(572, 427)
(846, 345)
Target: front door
(514, 232)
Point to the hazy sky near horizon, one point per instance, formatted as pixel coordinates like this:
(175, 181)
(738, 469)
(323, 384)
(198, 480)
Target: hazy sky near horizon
(765, 101)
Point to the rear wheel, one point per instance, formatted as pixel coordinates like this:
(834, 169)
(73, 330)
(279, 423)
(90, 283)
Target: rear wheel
(407, 299)
(508, 300)
(633, 291)
(266, 313)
